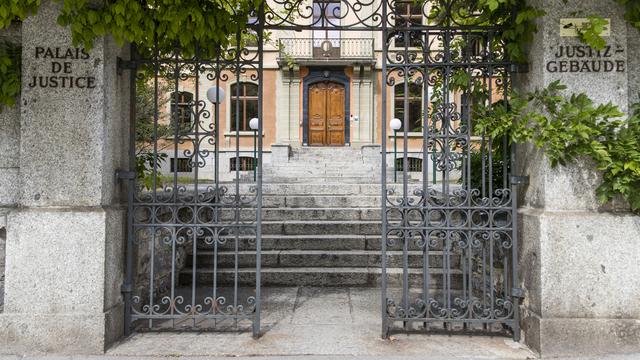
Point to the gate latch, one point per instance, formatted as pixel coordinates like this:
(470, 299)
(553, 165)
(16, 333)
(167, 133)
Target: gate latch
(125, 65)
(126, 288)
(520, 180)
(520, 68)
(125, 175)
(517, 293)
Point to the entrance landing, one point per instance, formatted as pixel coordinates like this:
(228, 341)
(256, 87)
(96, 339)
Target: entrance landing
(320, 321)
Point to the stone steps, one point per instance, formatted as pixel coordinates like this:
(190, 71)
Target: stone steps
(321, 226)
(322, 179)
(320, 276)
(316, 258)
(307, 213)
(321, 201)
(308, 242)
(302, 227)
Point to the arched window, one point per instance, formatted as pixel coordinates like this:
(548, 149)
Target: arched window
(414, 98)
(244, 105)
(408, 13)
(181, 103)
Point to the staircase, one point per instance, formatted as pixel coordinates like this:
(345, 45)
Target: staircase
(321, 227)
(326, 165)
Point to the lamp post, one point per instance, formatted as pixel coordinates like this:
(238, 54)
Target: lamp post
(254, 125)
(216, 96)
(395, 125)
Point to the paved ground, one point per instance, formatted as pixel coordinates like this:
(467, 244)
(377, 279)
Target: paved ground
(316, 324)
(320, 321)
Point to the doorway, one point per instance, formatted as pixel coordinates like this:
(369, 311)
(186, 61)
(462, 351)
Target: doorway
(326, 114)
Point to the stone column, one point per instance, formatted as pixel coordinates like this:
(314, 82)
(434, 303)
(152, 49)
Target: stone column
(9, 160)
(579, 260)
(288, 111)
(65, 241)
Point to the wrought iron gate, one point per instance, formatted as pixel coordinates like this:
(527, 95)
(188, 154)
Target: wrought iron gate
(454, 224)
(194, 209)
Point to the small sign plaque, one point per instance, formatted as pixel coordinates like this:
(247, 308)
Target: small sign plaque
(569, 27)
(60, 63)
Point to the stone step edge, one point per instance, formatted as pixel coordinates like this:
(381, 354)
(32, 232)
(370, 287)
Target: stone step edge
(334, 270)
(317, 252)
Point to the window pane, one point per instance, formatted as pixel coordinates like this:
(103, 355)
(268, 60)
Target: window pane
(415, 90)
(316, 14)
(415, 113)
(251, 89)
(234, 114)
(252, 112)
(333, 13)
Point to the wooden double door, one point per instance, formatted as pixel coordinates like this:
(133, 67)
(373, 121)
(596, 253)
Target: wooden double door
(326, 114)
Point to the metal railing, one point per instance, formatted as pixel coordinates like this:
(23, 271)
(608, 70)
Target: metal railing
(330, 49)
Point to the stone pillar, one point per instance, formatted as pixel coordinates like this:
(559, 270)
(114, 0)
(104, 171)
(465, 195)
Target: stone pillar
(579, 260)
(288, 112)
(9, 160)
(65, 241)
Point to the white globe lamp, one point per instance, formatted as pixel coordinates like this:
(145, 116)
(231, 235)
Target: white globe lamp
(254, 124)
(215, 95)
(395, 124)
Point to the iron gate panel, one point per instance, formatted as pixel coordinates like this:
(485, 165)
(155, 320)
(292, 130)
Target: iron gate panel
(454, 226)
(194, 208)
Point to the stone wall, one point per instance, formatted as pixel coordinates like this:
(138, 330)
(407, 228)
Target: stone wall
(65, 235)
(9, 160)
(579, 259)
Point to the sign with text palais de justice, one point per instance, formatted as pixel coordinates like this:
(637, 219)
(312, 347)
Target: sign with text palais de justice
(60, 65)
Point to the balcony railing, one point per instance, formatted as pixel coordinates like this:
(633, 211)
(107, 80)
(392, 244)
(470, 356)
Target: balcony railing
(326, 49)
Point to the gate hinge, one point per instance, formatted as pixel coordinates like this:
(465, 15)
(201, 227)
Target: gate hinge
(126, 288)
(125, 65)
(125, 175)
(517, 293)
(520, 180)
(520, 68)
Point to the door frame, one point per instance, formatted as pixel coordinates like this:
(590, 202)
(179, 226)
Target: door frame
(320, 75)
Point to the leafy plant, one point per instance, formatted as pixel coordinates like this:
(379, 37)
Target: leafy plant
(568, 128)
(10, 73)
(206, 26)
(591, 32)
(146, 162)
(11, 10)
(479, 170)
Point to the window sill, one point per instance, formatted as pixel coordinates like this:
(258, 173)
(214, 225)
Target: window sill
(241, 133)
(411, 134)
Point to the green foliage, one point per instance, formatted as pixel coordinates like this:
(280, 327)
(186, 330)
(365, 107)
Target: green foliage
(478, 166)
(11, 10)
(590, 33)
(518, 17)
(568, 128)
(148, 131)
(145, 163)
(632, 11)
(620, 162)
(204, 24)
(10, 73)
